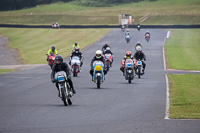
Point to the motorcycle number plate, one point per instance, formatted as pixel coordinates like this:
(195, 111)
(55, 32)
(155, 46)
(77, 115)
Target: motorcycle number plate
(75, 58)
(129, 65)
(139, 63)
(107, 56)
(61, 79)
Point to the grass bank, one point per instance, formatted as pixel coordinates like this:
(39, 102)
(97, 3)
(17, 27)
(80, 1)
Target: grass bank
(6, 70)
(182, 49)
(33, 44)
(184, 96)
(182, 52)
(161, 12)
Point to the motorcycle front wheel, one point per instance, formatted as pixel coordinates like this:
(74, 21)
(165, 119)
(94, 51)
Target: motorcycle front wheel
(64, 95)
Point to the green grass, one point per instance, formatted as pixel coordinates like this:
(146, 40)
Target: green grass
(6, 70)
(33, 44)
(184, 96)
(182, 49)
(162, 12)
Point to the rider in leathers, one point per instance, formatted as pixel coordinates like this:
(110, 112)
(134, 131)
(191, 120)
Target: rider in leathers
(61, 66)
(76, 52)
(139, 55)
(97, 57)
(108, 51)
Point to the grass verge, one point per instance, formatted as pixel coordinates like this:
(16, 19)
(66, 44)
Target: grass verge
(33, 44)
(161, 12)
(184, 96)
(182, 49)
(6, 70)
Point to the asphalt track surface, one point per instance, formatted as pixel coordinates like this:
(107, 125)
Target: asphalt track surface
(29, 101)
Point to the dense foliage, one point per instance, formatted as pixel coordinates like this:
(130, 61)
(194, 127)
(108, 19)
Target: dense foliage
(103, 3)
(19, 4)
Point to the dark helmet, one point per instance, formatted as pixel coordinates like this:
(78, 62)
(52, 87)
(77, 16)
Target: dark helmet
(76, 43)
(53, 48)
(58, 59)
(76, 49)
(106, 45)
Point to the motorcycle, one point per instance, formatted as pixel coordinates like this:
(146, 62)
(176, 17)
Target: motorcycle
(138, 27)
(108, 59)
(147, 37)
(75, 65)
(128, 38)
(129, 70)
(98, 73)
(51, 59)
(139, 68)
(64, 88)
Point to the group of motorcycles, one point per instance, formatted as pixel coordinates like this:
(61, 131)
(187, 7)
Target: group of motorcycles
(128, 37)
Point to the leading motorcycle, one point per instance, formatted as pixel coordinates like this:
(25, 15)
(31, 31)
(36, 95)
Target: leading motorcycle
(64, 88)
(98, 73)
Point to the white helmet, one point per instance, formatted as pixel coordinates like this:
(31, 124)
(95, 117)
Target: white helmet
(108, 48)
(98, 54)
(139, 49)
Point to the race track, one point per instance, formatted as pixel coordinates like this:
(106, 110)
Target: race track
(29, 101)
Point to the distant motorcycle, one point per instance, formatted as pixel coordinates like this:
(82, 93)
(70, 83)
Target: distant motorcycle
(75, 65)
(51, 59)
(128, 38)
(64, 88)
(139, 68)
(147, 37)
(98, 73)
(108, 59)
(138, 27)
(129, 70)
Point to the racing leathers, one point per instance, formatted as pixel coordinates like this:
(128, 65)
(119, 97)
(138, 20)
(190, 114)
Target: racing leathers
(123, 62)
(102, 59)
(79, 54)
(62, 67)
(140, 56)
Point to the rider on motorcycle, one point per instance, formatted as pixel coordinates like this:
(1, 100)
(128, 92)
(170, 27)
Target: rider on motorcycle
(75, 45)
(123, 27)
(108, 51)
(76, 52)
(127, 56)
(52, 50)
(97, 57)
(139, 55)
(61, 66)
(104, 47)
(127, 33)
(147, 33)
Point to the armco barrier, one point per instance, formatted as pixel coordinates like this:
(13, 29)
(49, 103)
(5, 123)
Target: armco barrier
(103, 26)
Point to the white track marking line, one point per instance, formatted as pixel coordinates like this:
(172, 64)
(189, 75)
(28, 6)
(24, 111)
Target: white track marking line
(167, 81)
(167, 98)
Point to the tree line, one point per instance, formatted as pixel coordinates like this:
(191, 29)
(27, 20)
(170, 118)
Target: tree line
(19, 4)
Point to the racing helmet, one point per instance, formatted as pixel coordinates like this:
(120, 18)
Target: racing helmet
(76, 49)
(76, 43)
(139, 49)
(53, 48)
(58, 60)
(128, 54)
(98, 54)
(108, 48)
